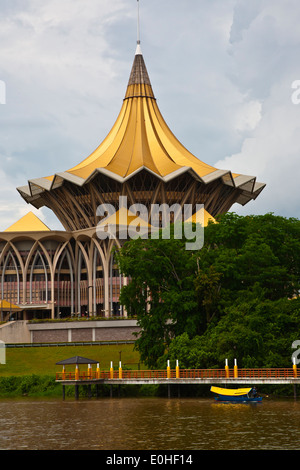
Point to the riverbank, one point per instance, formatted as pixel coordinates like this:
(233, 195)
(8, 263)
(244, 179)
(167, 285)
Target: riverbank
(44, 386)
(31, 372)
(42, 360)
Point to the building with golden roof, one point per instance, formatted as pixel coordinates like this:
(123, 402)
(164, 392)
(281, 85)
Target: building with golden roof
(73, 271)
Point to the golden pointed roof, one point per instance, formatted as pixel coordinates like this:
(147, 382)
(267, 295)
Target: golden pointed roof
(140, 139)
(28, 223)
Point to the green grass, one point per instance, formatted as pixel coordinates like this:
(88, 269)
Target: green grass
(42, 360)
(30, 371)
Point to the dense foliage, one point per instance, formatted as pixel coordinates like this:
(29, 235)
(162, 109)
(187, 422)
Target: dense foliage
(29, 385)
(235, 298)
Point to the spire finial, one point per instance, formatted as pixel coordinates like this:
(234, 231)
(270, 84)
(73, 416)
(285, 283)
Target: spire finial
(138, 22)
(138, 47)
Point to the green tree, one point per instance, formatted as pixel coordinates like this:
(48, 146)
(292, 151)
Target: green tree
(207, 286)
(160, 293)
(247, 265)
(251, 250)
(258, 333)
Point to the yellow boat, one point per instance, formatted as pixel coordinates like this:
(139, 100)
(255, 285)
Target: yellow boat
(236, 394)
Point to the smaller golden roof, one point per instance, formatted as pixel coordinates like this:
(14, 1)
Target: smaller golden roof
(124, 217)
(202, 214)
(7, 306)
(28, 223)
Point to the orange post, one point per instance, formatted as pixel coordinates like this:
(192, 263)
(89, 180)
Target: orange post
(98, 371)
(89, 371)
(295, 368)
(226, 369)
(120, 370)
(168, 370)
(235, 369)
(77, 372)
(177, 370)
(111, 371)
(63, 373)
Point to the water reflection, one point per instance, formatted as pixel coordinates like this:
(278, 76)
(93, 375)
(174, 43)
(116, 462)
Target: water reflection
(148, 423)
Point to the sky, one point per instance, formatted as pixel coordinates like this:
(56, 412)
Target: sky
(226, 75)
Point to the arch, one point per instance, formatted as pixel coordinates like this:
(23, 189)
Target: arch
(38, 255)
(65, 254)
(98, 285)
(59, 251)
(116, 282)
(5, 263)
(82, 286)
(30, 262)
(29, 256)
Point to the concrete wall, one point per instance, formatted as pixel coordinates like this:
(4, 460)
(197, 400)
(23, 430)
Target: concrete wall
(15, 332)
(67, 332)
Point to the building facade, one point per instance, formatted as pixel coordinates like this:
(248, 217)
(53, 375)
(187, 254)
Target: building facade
(73, 272)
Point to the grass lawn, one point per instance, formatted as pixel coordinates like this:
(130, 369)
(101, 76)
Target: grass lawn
(42, 360)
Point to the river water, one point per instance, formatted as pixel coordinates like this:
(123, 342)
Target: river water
(148, 424)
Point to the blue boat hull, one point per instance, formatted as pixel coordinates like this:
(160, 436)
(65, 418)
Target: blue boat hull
(238, 399)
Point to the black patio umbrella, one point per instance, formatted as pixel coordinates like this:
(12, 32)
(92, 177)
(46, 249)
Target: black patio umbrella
(77, 360)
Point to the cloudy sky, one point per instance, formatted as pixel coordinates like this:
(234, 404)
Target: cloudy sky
(222, 72)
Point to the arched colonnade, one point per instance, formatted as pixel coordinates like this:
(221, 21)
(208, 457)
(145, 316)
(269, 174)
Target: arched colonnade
(62, 272)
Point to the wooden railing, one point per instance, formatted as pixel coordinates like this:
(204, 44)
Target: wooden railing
(267, 373)
(280, 373)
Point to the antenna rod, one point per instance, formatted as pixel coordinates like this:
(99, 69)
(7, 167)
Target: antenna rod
(138, 22)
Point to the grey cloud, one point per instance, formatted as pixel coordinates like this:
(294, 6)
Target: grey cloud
(221, 72)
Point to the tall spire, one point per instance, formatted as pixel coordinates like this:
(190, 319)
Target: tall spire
(139, 84)
(139, 74)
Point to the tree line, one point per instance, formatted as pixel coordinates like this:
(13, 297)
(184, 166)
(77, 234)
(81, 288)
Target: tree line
(237, 297)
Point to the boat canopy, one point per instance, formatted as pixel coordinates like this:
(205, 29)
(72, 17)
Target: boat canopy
(230, 392)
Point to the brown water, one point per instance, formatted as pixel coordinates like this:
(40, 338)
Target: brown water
(148, 424)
